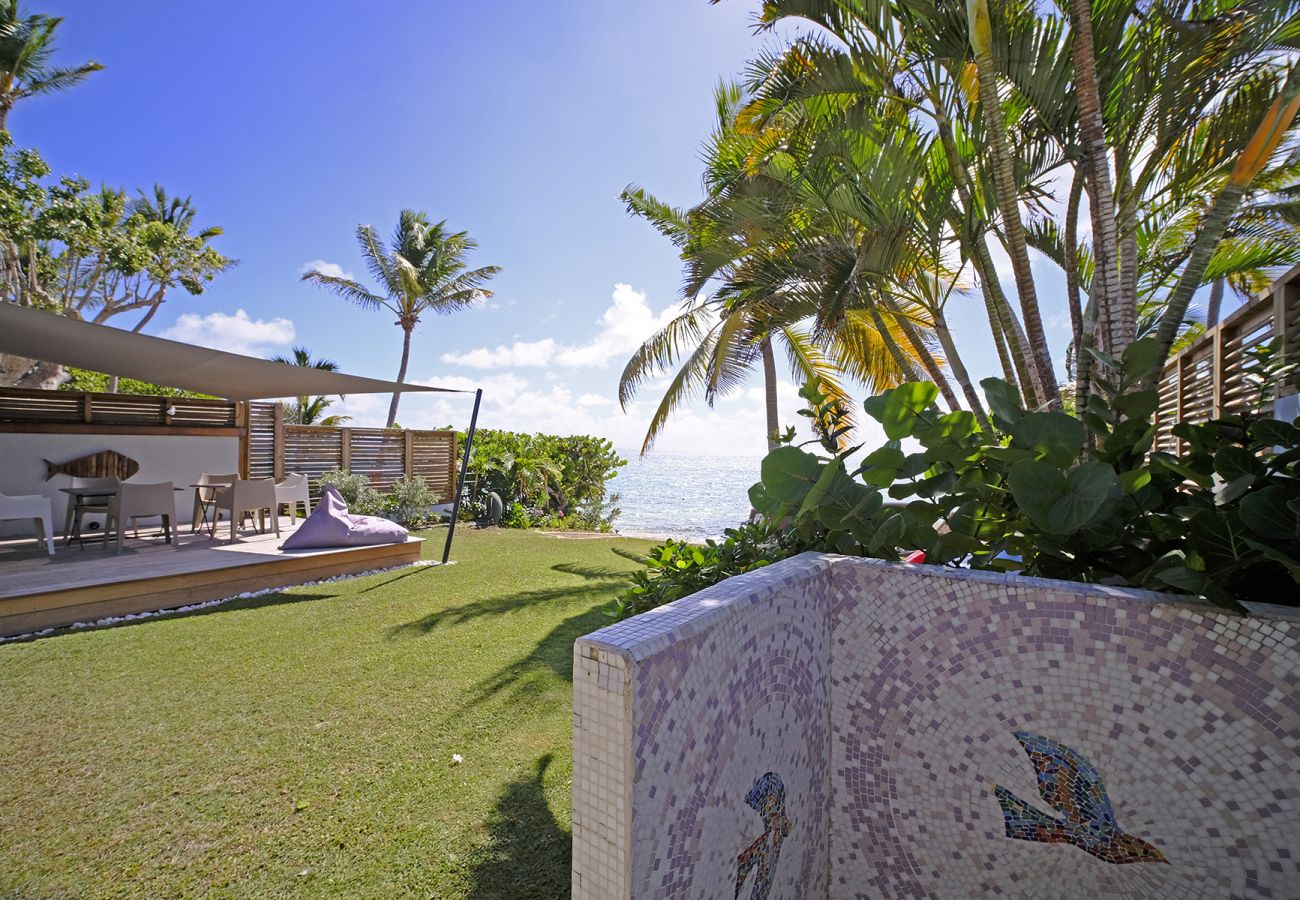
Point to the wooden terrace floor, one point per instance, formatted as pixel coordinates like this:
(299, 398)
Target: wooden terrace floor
(76, 584)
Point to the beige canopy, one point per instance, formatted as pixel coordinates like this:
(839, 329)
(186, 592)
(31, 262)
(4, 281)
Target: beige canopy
(35, 334)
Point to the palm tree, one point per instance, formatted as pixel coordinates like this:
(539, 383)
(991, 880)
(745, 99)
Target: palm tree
(424, 269)
(26, 46)
(308, 410)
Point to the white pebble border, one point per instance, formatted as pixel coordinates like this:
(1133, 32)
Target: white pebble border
(247, 595)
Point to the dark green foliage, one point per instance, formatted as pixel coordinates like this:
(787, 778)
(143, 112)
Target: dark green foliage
(676, 569)
(1044, 494)
(87, 381)
(545, 480)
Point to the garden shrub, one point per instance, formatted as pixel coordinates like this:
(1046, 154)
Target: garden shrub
(1044, 493)
(545, 480)
(356, 491)
(409, 501)
(676, 569)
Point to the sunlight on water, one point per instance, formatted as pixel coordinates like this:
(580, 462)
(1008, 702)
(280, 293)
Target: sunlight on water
(693, 496)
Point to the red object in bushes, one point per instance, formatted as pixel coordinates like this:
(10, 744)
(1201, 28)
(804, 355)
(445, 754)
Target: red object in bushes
(916, 556)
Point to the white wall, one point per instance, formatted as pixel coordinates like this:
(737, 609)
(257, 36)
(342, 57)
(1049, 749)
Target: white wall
(178, 459)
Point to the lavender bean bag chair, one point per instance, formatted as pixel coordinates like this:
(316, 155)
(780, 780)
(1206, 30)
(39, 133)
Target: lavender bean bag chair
(331, 525)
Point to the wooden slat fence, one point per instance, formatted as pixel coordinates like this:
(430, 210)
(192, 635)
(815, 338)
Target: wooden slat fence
(1205, 381)
(382, 455)
(74, 410)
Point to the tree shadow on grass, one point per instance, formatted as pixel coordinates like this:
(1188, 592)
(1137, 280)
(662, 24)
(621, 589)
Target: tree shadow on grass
(601, 582)
(528, 853)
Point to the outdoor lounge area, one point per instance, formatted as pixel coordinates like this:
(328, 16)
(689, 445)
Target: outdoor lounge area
(38, 591)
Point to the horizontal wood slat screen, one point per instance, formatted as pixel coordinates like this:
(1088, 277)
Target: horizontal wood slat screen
(18, 405)
(378, 453)
(1207, 379)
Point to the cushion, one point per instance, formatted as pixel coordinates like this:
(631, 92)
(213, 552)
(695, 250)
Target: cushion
(331, 525)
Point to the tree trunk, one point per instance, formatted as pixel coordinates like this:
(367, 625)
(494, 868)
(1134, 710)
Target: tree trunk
(958, 369)
(769, 391)
(1215, 304)
(1072, 261)
(928, 362)
(994, 300)
(1268, 135)
(1004, 179)
(901, 359)
(401, 372)
(1118, 311)
(112, 384)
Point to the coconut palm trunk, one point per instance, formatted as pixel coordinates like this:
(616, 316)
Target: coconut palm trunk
(1005, 341)
(1004, 179)
(1214, 305)
(401, 371)
(1118, 311)
(769, 392)
(958, 368)
(1072, 261)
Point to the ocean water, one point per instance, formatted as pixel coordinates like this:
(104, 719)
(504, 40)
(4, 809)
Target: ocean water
(684, 495)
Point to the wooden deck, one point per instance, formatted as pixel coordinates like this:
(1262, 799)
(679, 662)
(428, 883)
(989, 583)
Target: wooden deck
(76, 585)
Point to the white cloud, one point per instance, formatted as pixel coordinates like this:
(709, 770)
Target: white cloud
(623, 326)
(325, 268)
(236, 333)
(594, 400)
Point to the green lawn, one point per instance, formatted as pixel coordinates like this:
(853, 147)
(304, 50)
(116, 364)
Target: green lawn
(300, 744)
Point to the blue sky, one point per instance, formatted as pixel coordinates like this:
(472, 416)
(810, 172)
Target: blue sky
(290, 124)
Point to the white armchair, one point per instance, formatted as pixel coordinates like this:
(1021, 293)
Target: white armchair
(248, 496)
(290, 492)
(35, 507)
(139, 501)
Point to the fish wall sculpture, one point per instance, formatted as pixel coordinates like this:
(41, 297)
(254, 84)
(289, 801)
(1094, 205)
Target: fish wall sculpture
(104, 464)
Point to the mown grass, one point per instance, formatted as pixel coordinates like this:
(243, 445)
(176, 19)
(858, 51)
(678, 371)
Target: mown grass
(300, 744)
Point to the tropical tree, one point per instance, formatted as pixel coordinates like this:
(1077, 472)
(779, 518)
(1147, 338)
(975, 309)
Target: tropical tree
(92, 254)
(424, 269)
(1169, 105)
(747, 251)
(310, 410)
(26, 49)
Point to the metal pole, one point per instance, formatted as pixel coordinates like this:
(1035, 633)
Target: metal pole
(460, 485)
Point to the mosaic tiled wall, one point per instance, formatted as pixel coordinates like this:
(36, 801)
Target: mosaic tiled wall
(983, 736)
(680, 716)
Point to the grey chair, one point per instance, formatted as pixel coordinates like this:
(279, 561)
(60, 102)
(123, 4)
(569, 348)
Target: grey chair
(35, 507)
(93, 505)
(205, 497)
(139, 501)
(290, 492)
(255, 495)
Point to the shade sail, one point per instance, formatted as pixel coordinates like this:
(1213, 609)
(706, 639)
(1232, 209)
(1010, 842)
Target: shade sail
(47, 337)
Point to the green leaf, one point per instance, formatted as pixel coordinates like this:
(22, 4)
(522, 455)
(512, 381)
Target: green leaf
(1059, 503)
(1233, 462)
(1053, 436)
(1269, 513)
(902, 406)
(1292, 564)
(1273, 433)
(1139, 358)
(788, 474)
(888, 533)
(881, 467)
(1004, 402)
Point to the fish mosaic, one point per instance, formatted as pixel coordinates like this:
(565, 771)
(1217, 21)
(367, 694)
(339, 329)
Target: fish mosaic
(104, 464)
(767, 798)
(1070, 784)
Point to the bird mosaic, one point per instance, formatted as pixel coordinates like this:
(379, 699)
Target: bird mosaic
(1070, 785)
(767, 798)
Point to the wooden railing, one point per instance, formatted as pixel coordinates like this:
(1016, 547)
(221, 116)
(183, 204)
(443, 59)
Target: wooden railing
(274, 448)
(74, 411)
(1205, 381)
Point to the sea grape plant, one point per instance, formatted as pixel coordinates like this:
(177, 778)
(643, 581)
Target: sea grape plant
(1045, 493)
